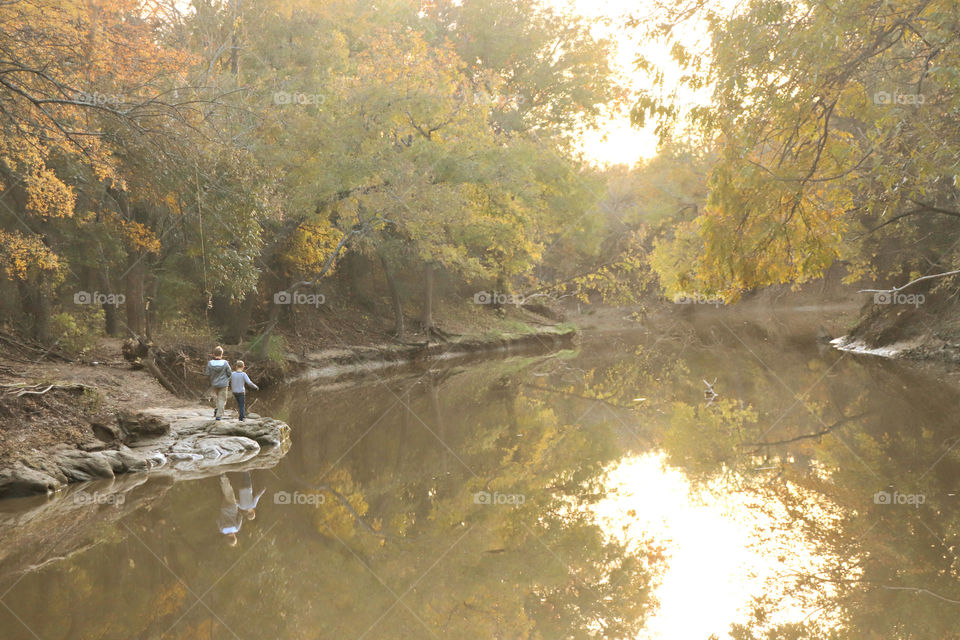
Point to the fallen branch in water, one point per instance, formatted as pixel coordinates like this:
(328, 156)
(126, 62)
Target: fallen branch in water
(808, 436)
(911, 283)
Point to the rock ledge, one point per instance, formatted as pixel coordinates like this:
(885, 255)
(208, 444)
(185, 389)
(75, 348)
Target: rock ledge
(178, 440)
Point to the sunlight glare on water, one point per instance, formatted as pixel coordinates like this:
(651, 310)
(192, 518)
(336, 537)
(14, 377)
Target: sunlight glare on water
(720, 552)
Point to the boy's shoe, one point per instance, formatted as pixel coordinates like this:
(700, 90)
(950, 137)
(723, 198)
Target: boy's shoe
(218, 418)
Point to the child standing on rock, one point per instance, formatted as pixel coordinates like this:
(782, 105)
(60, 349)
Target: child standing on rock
(238, 384)
(218, 370)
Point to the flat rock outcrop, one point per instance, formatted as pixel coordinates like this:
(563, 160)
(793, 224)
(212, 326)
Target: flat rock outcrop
(186, 442)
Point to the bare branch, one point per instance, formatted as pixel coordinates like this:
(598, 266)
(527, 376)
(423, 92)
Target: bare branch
(911, 283)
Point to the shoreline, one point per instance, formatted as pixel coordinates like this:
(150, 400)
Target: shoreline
(101, 444)
(120, 435)
(340, 363)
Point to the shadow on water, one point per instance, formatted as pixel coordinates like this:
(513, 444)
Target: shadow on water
(715, 477)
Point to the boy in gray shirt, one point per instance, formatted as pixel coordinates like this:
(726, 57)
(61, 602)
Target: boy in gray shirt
(238, 384)
(218, 370)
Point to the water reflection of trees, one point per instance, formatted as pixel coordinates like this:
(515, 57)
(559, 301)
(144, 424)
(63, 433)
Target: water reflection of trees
(813, 435)
(541, 568)
(416, 555)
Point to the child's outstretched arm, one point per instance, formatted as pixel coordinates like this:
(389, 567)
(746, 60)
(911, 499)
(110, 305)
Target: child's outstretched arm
(247, 379)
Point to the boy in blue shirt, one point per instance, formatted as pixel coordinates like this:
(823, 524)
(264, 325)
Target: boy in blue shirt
(238, 384)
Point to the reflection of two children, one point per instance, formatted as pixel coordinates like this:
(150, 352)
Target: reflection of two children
(234, 506)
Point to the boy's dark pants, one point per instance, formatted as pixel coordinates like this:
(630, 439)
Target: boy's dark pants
(241, 404)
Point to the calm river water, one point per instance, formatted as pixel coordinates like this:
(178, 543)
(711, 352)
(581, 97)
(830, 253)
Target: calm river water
(604, 492)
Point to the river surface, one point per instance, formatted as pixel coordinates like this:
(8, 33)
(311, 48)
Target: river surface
(707, 479)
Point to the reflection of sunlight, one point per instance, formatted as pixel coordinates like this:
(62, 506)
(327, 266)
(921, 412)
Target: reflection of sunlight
(719, 551)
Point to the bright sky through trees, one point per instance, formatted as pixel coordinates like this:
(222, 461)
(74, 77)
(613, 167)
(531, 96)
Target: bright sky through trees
(619, 142)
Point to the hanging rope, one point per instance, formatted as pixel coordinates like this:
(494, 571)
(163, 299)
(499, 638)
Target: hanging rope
(203, 248)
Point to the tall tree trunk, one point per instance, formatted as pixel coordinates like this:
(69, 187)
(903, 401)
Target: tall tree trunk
(134, 292)
(111, 313)
(111, 316)
(111, 320)
(240, 318)
(426, 318)
(274, 316)
(233, 316)
(35, 300)
(97, 280)
(398, 326)
(501, 289)
(272, 321)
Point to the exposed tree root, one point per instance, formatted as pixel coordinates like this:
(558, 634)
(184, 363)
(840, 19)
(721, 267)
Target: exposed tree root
(20, 390)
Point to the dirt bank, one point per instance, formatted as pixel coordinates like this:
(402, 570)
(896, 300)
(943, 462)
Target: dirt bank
(85, 392)
(923, 326)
